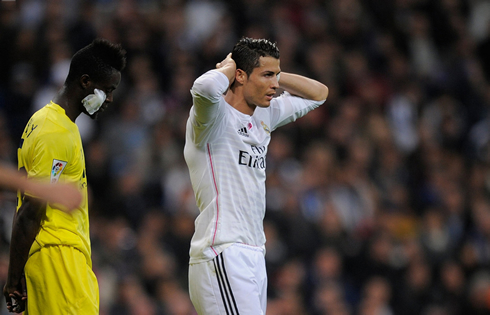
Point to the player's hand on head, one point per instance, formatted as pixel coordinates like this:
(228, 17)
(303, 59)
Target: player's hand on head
(228, 68)
(227, 61)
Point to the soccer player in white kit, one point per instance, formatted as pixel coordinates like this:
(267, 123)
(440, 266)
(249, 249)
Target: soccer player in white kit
(229, 128)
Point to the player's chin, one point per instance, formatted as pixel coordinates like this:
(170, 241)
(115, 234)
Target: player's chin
(265, 103)
(95, 115)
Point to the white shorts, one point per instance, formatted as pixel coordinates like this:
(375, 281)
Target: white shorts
(234, 282)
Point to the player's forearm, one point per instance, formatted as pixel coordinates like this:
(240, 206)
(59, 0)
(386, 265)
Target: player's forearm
(229, 71)
(228, 68)
(11, 179)
(303, 87)
(26, 225)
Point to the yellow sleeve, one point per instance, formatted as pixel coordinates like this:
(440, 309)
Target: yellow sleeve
(51, 155)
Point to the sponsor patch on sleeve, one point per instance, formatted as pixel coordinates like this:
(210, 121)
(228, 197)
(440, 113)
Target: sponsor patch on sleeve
(56, 170)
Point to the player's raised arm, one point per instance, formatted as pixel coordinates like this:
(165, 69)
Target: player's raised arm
(227, 67)
(303, 87)
(207, 91)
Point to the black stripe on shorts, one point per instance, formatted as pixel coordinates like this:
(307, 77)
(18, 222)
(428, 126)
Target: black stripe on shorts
(224, 286)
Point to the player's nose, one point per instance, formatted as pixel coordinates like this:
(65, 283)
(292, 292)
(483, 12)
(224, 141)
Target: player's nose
(109, 98)
(275, 83)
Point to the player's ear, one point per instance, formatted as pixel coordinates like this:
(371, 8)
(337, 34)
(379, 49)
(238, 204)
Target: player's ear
(85, 81)
(240, 76)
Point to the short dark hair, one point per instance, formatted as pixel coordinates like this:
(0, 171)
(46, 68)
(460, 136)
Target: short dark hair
(248, 51)
(99, 60)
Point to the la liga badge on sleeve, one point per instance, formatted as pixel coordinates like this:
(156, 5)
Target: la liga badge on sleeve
(56, 170)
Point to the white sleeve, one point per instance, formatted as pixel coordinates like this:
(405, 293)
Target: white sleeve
(287, 108)
(207, 97)
(206, 93)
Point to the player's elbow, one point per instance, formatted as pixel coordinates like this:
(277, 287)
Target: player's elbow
(322, 92)
(211, 85)
(203, 89)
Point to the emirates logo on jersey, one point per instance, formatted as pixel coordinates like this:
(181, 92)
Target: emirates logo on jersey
(254, 159)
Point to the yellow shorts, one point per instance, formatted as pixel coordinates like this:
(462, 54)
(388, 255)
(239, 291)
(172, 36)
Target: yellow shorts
(59, 282)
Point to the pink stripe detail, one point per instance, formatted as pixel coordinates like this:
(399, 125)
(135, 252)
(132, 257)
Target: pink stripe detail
(217, 195)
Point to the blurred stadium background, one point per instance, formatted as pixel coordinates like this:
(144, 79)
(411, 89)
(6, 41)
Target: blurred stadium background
(378, 202)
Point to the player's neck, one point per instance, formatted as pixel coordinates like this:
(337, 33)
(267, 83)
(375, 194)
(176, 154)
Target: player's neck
(68, 102)
(235, 98)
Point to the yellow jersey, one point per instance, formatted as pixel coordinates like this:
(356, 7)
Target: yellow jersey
(51, 149)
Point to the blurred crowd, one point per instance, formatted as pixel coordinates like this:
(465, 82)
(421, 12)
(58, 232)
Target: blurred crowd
(378, 202)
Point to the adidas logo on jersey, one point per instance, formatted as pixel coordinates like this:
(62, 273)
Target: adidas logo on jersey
(243, 132)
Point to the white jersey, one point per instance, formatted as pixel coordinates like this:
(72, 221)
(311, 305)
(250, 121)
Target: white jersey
(225, 151)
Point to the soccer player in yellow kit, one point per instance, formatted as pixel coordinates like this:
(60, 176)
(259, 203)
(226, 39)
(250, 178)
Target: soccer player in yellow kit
(51, 247)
